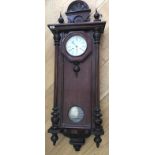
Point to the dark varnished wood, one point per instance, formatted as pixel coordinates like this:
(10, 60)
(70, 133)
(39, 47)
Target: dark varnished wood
(78, 11)
(78, 26)
(77, 78)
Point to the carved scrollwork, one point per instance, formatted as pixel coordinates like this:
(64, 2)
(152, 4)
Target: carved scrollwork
(78, 11)
(77, 6)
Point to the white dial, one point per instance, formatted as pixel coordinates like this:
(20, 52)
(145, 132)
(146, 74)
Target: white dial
(76, 45)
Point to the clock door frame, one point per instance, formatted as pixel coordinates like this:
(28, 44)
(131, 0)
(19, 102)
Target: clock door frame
(88, 51)
(78, 97)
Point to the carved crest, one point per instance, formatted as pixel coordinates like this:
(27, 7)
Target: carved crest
(78, 11)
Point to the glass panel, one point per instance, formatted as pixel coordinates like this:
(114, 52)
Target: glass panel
(76, 114)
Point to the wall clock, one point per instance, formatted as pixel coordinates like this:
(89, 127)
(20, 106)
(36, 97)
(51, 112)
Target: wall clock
(76, 112)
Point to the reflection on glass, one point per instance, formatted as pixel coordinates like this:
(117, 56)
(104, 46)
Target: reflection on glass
(76, 114)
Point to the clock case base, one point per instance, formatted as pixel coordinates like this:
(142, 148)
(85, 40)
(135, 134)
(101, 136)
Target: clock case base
(77, 136)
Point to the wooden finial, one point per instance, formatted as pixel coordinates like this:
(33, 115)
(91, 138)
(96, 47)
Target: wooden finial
(61, 20)
(97, 16)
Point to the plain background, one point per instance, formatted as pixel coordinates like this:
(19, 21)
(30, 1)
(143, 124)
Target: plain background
(22, 78)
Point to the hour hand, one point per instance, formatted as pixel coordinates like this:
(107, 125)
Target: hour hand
(73, 43)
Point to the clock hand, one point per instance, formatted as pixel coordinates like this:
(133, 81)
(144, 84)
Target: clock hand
(74, 43)
(81, 49)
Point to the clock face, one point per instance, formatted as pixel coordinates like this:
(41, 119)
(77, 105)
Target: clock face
(76, 46)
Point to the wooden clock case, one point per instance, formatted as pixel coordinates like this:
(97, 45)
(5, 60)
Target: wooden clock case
(77, 78)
